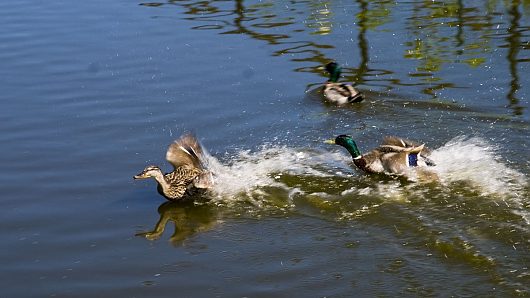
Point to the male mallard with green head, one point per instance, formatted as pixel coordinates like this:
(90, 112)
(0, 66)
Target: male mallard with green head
(339, 93)
(189, 172)
(395, 156)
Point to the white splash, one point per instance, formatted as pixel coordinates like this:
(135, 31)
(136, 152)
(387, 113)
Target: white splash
(474, 160)
(247, 174)
(248, 171)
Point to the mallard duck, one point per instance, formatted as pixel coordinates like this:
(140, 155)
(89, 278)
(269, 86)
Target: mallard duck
(395, 156)
(189, 173)
(339, 93)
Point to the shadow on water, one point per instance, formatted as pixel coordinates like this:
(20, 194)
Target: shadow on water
(439, 34)
(189, 218)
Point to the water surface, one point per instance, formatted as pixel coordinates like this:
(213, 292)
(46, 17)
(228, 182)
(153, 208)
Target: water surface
(94, 91)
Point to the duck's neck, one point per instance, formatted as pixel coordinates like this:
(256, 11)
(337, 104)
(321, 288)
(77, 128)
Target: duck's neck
(334, 75)
(351, 146)
(159, 177)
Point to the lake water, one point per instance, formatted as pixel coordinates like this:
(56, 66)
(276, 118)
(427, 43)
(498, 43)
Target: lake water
(93, 91)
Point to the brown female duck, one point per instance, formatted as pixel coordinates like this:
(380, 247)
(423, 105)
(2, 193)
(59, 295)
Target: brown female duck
(189, 173)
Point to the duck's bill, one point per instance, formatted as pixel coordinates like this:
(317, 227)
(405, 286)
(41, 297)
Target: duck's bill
(330, 141)
(140, 176)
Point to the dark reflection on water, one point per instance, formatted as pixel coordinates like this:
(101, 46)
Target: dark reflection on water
(363, 43)
(437, 34)
(514, 43)
(188, 218)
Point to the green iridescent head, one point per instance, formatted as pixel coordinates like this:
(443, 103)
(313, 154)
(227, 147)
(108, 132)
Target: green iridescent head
(347, 142)
(334, 71)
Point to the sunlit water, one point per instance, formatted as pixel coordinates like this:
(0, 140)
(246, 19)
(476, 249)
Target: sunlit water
(94, 91)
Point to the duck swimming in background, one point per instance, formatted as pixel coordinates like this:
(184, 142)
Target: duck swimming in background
(339, 93)
(394, 157)
(189, 173)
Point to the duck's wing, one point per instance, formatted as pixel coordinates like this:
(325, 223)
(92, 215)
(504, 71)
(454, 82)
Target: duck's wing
(398, 149)
(395, 163)
(186, 151)
(335, 93)
(397, 160)
(385, 159)
(394, 151)
(401, 142)
(341, 93)
(355, 95)
(397, 141)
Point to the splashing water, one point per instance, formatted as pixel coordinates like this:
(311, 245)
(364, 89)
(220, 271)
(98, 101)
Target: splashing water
(471, 160)
(475, 161)
(248, 171)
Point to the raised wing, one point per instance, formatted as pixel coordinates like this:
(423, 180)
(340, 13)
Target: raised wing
(400, 142)
(185, 151)
(399, 149)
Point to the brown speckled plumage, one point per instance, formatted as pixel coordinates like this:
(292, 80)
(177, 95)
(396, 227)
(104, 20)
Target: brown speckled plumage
(179, 181)
(189, 173)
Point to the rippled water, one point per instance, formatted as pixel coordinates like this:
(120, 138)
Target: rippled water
(94, 91)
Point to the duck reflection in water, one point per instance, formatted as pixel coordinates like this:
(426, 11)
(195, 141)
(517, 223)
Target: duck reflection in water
(189, 217)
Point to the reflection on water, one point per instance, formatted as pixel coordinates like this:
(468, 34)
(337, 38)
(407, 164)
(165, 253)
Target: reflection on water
(514, 43)
(320, 18)
(437, 34)
(95, 101)
(189, 218)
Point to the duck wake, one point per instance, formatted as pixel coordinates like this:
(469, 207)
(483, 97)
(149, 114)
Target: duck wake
(475, 161)
(470, 162)
(247, 172)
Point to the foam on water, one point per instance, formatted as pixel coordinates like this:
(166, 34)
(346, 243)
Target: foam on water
(476, 161)
(471, 160)
(247, 171)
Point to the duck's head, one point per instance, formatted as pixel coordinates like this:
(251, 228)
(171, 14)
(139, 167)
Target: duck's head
(148, 172)
(347, 142)
(334, 71)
